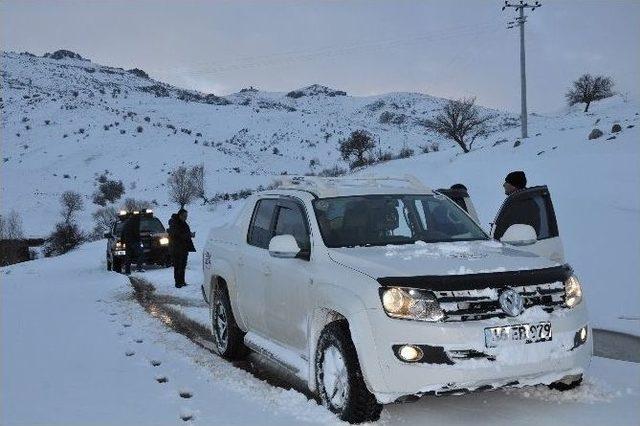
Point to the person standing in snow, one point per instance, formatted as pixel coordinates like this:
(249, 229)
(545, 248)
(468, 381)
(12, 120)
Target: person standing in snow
(522, 211)
(180, 244)
(515, 181)
(130, 236)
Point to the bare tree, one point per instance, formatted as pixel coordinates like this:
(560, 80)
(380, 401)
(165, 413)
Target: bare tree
(104, 219)
(588, 88)
(11, 226)
(461, 121)
(197, 179)
(357, 147)
(131, 204)
(71, 203)
(181, 188)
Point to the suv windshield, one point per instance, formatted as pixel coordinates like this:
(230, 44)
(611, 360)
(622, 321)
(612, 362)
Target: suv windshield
(378, 220)
(151, 224)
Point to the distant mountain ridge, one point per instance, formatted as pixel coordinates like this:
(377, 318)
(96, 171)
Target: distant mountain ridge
(66, 119)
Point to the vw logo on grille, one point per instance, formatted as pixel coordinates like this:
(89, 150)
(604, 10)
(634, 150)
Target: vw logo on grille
(511, 302)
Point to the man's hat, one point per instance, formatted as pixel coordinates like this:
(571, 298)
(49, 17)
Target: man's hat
(517, 179)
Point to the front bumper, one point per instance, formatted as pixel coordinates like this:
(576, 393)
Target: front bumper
(471, 366)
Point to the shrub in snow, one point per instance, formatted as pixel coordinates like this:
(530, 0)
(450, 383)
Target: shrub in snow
(71, 203)
(334, 171)
(595, 134)
(461, 121)
(383, 156)
(64, 238)
(616, 128)
(405, 152)
(109, 191)
(588, 88)
(357, 148)
(139, 129)
(275, 151)
(517, 143)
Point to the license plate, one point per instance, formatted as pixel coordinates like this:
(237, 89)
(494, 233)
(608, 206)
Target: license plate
(517, 334)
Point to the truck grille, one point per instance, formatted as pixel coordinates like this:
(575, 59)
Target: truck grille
(470, 305)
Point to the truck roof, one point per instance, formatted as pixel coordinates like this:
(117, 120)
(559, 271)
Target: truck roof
(324, 187)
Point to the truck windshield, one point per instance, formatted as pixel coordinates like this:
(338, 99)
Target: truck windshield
(378, 220)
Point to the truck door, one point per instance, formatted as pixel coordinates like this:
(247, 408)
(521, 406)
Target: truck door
(253, 268)
(532, 206)
(461, 197)
(287, 301)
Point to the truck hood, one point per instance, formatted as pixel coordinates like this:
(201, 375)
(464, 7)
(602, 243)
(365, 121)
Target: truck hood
(456, 258)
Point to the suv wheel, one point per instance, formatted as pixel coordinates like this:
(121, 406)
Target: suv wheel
(339, 379)
(117, 265)
(567, 383)
(228, 339)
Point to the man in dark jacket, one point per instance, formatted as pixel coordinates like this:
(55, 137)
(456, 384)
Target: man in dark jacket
(180, 244)
(130, 236)
(523, 210)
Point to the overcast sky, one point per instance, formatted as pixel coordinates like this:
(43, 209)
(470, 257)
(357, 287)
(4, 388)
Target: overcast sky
(451, 48)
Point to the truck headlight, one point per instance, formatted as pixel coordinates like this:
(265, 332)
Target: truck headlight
(164, 241)
(572, 291)
(409, 303)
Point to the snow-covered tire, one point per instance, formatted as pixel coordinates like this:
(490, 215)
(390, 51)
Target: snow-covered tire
(228, 338)
(109, 268)
(565, 385)
(339, 378)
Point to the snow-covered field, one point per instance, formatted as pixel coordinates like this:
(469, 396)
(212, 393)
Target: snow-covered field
(78, 349)
(70, 330)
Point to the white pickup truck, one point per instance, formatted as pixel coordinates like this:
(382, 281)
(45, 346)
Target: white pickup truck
(378, 290)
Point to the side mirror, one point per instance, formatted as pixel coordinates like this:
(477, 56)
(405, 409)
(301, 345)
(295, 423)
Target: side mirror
(520, 235)
(107, 235)
(284, 246)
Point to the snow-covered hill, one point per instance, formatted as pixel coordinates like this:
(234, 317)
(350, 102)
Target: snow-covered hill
(65, 119)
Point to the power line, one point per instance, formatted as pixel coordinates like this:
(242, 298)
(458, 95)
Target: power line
(333, 51)
(519, 22)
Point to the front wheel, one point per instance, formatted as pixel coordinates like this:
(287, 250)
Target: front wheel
(228, 338)
(339, 378)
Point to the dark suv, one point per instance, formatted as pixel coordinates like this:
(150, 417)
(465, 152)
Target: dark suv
(153, 236)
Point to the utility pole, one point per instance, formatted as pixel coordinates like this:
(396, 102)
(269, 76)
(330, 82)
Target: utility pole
(519, 21)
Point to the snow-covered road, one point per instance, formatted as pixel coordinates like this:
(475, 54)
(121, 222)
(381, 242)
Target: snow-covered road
(79, 349)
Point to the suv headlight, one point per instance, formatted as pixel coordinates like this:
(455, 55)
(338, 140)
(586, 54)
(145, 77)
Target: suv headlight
(409, 303)
(572, 291)
(164, 241)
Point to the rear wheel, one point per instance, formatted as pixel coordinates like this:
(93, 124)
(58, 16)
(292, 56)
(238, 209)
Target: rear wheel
(228, 338)
(339, 378)
(567, 383)
(117, 265)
